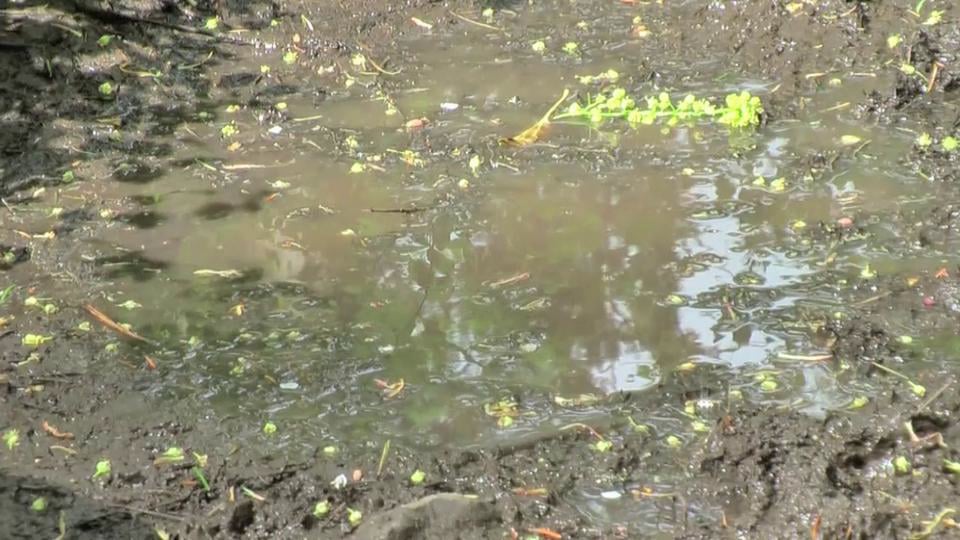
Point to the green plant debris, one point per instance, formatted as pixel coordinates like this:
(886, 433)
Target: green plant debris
(607, 77)
(918, 389)
(229, 130)
(923, 140)
(850, 140)
(211, 24)
(170, 455)
(383, 457)
(67, 177)
(130, 305)
(603, 445)
(104, 40)
(769, 385)
(269, 428)
(740, 110)
(935, 17)
(858, 402)
(949, 144)
(893, 40)
(932, 525)
(330, 451)
(35, 340)
(6, 293)
(901, 465)
(290, 57)
(538, 46)
(321, 509)
(571, 48)
(252, 494)
(39, 504)
(11, 438)
(952, 467)
(105, 89)
(418, 477)
(102, 469)
(354, 517)
(201, 478)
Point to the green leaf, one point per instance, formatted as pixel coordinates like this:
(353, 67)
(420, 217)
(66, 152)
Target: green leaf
(417, 477)
(11, 438)
(269, 428)
(39, 504)
(102, 469)
(321, 509)
(354, 517)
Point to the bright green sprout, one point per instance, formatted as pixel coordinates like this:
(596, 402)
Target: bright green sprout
(354, 517)
(850, 140)
(739, 110)
(34, 340)
(673, 441)
(951, 466)
(321, 509)
(228, 130)
(11, 438)
(104, 40)
(357, 168)
(130, 305)
(102, 469)
(5, 294)
(329, 451)
(211, 24)
(67, 177)
(418, 477)
(170, 455)
(893, 40)
(269, 428)
(39, 504)
(198, 474)
(924, 140)
(571, 48)
(106, 88)
(769, 385)
(858, 402)
(935, 17)
(603, 445)
(901, 465)
(290, 57)
(949, 144)
(539, 46)
(487, 13)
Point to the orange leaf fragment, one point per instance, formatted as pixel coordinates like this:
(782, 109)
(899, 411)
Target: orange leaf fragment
(54, 432)
(544, 532)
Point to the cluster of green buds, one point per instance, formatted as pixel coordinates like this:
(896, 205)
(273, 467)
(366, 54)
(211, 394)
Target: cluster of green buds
(739, 111)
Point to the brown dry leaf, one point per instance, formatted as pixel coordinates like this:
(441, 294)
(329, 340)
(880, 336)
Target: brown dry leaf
(532, 134)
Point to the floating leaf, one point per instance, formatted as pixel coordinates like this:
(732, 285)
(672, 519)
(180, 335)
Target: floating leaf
(850, 140)
(11, 438)
(533, 133)
(102, 469)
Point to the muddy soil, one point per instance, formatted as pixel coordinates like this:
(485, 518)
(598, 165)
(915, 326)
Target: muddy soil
(755, 471)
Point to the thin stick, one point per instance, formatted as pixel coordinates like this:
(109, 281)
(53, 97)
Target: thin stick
(805, 358)
(477, 23)
(109, 323)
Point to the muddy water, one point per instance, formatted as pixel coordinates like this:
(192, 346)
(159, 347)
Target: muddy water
(592, 262)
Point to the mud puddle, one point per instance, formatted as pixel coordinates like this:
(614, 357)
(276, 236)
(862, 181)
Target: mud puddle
(353, 297)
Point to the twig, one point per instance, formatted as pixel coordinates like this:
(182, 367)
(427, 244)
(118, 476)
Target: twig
(109, 323)
(477, 23)
(397, 210)
(164, 515)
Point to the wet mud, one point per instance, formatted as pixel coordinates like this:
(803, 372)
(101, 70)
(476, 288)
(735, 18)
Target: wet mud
(731, 467)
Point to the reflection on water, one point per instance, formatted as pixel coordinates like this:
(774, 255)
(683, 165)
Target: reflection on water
(576, 266)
